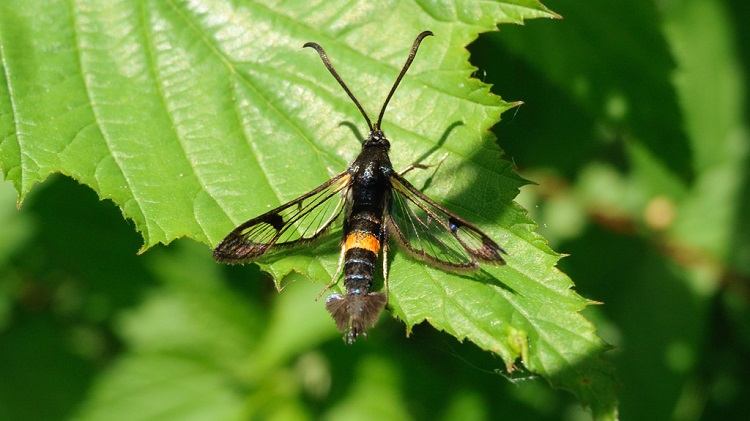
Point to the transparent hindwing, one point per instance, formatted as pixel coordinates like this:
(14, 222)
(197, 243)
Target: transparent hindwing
(431, 233)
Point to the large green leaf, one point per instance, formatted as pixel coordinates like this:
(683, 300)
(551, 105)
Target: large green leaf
(194, 116)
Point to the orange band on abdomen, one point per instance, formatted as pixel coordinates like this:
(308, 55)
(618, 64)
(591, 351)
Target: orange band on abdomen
(362, 240)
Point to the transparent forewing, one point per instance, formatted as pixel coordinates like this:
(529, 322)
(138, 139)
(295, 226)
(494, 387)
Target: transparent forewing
(302, 220)
(429, 232)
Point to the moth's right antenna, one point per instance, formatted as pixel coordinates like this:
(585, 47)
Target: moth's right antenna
(413, 53)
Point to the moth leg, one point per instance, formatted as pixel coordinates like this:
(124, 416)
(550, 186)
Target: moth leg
(385, 270)
(422, 166)
(384, 236)
(335, 275)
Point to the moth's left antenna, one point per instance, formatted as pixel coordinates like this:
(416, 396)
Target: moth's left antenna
(329, 66)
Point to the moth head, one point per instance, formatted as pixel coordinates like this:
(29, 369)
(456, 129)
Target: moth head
(377, 138)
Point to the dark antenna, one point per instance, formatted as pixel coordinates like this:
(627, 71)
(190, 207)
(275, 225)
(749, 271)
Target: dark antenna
(329, 66)
(413, 53)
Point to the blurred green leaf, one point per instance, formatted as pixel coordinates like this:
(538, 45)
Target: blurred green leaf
(154, 386)
(717, 123)
(197, 346)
